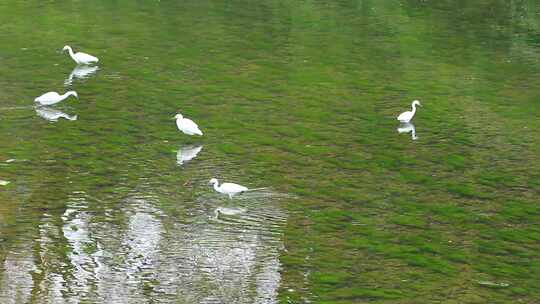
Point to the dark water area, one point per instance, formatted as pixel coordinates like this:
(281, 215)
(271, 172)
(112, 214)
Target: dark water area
(103, 200)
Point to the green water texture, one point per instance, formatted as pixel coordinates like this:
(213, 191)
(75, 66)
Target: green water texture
(297, 96)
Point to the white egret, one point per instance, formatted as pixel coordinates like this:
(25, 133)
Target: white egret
(52, 114)
(51, 98)
(406, 128)
(227, 188)
(187, 126)
(231, 189)
(408, 115)
(187, 153)
(80, 57)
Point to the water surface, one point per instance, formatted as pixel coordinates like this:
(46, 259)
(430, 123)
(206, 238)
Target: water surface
(298, 96)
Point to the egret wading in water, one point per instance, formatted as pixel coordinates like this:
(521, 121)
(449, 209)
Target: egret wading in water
(51, 98)
(187, 126)
(80, 57)
(227, 188)
(230, 189)
(407, 116)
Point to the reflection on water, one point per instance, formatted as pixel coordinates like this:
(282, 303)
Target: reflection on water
(228, 211)
(80, 72)
(52, 114)
(187, 153)
(138, 252)
(408, 127)
(220, 260)
(294, 98)
(17, 269)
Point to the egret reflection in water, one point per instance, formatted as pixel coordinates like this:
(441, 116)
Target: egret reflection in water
(228, 211)
(81, 72)
(187, 153)
(52, 114)
(408, 128)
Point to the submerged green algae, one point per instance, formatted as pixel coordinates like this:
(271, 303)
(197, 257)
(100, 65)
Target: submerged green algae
(300, 96)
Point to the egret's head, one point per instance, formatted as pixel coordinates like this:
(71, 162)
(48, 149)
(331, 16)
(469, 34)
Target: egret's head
(66, 48)
(217, 212)
(416, 103)
(74, 94)
(178, 116)
(213, 181)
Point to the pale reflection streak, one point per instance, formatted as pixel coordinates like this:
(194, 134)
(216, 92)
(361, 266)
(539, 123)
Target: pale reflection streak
(131, 252)
(234, 259)
(141, 241)
(17, 283)
(84, 256)
(51, 266)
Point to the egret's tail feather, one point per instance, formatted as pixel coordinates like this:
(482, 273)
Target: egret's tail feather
(257, 189)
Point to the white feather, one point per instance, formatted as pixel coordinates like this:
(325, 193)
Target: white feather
(230, 189)
(408, 115)
(187, 126)
(80, 57)
(50, 98)
(405, 116)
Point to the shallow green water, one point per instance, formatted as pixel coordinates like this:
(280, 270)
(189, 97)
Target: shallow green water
(297, 96)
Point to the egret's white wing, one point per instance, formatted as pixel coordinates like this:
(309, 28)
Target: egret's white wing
(405, 116)
(85, 58)
(49, 96)
(188, 126)
(233, 188)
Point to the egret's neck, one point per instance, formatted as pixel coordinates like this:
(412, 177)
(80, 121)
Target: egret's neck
(70, 52)
(67, 94)
(413, 108)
